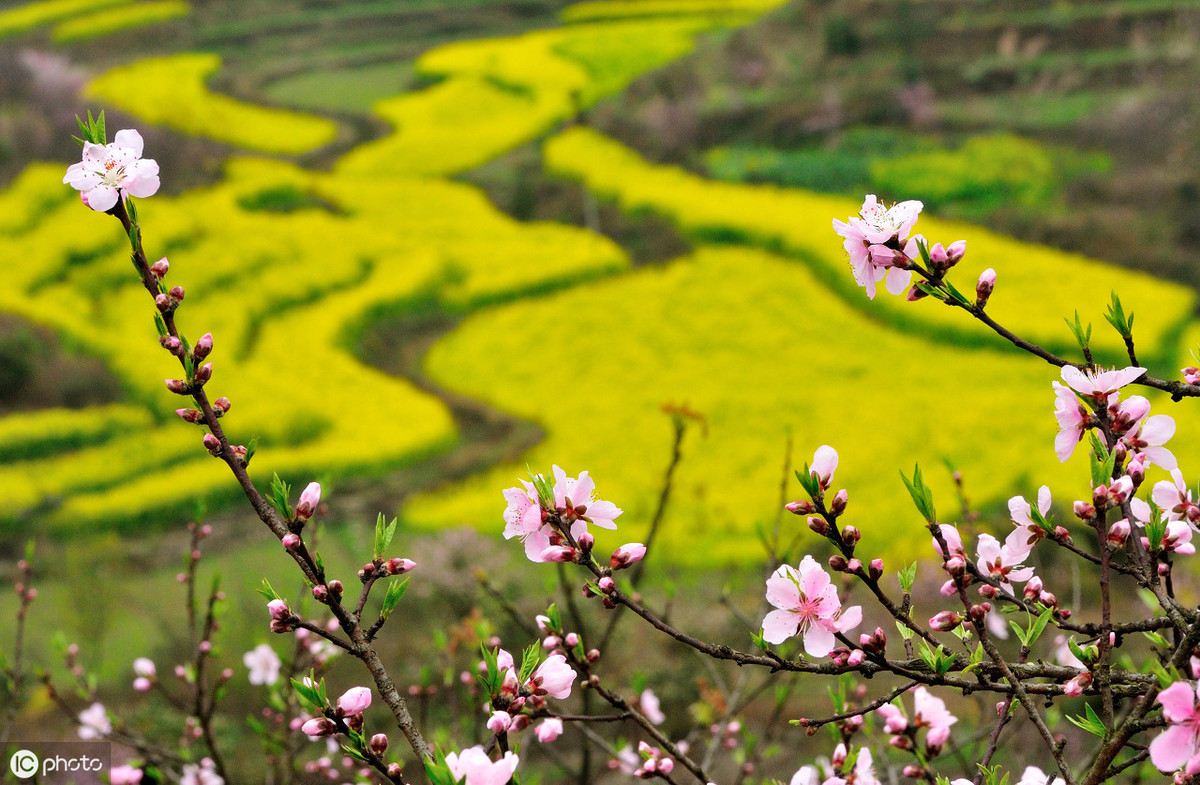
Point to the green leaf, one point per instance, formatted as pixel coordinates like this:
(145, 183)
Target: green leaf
(1039, 624)
(161, 325)
(921, 495)
(904, 631)
(268, 591)
(383, 535)
(907, 577)
(1082, 335)
(555, 617)
(395, 593)
(955, 294)
(530, 659)
(312, 697)
(1116, 317)
(279, 495)
(1156, 639)
(809, 482)
(1091, 723)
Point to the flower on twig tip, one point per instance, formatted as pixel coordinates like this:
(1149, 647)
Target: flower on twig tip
(112, 170)
(875, 241)
(808, 605)
(554, 677)
(310, 498)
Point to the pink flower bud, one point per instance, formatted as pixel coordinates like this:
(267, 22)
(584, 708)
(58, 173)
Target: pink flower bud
(956, 566)
(572, 640)
(912, 771)
(400, 566)
(802, 507)
(558, 553)
(1191, 375)
(204, 373)
(627, 554)
(1084, 511)
(142, 684)
(586, 541)
(162, 302)
(178, 386)
(290, 540)
(394, 770)
(606, 584)
(988, 591)
(320, 592)
(355, 700)
(221, 405)
(818, 525)
(945, 621)
(319, 726)
(839, 756)
(1075, 687)
(309, 499)
(838, 563)
(876, 571)
(499, 722)
(171, 344)
(851, 535)
(1119, 532)
(203, 347)
(666, 765)
(189, 415)
(379, 743)
(279, 610)
(856, 657)
(549, 730)
(176, 293)
(159, 268)
(984, 286)
(551, 642)
(840, 500)
(212, 444)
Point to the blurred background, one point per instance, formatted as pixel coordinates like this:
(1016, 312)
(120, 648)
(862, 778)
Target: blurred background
(438, 241)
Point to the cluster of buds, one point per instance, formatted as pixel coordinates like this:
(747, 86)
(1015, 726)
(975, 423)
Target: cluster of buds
(654, 762)
(322, 591)
(167, 302)
(22, 586)
(347, 713)
(379, 567)
(282, 618)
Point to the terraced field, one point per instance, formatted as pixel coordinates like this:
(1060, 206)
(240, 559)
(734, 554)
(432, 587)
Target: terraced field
(761, 329)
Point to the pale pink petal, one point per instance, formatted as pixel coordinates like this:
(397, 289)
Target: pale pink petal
(1158, 429)
(818, 641)
(1019, 510)
(782, 589)
(94, 155)
(141, 179)
(1044, 500)
(897, 280)
(1172, 748)
(1065, 442)
(1076, 380)
(813, 579)
(602, 514)
(102, 198)
(851, 617)
(131, 140)
(779, 625)
(1178, 702)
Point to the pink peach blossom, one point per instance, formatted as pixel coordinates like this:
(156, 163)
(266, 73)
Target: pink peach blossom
(111, 170)
(553, 677)
(872, 241)
(1179, 744)
(474, 765)
(548, 730)
(808, 605)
